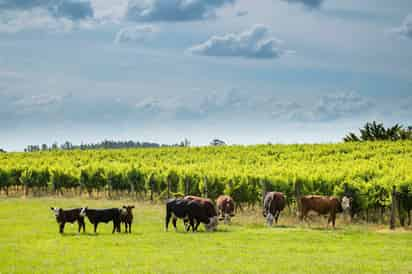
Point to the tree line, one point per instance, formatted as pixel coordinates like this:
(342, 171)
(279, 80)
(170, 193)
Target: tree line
(106, 144)
(111, 144)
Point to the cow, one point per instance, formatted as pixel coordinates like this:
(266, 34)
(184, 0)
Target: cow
(97, 216)
(190, 211)
(64, 216)
(226, 208)
(209, 207)
(404, 207)
(323, 205)
(273, 204)
(126, 217)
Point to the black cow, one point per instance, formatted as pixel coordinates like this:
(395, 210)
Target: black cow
(192, 211)
(126, 217)
(404, 206)
(97, 216)
(64, 216)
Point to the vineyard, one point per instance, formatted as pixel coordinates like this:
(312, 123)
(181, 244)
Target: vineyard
(367, 171)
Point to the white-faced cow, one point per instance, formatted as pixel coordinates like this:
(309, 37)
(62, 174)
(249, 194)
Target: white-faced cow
(64, 216)
(210, 208)
(324, 205)
(126, 217)
(273, 204)
(226, 208)
(97, 216)
(192, 212)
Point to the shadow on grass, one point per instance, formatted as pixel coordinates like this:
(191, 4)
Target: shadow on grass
(199, 231)
(92, 234)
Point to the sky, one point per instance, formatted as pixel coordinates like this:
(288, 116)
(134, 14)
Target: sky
(246, 72)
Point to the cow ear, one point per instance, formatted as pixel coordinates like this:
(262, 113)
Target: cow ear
(132, 206)
(52, 208)
(124, 206)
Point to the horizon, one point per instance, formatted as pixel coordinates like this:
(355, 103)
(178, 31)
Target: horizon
(276, 71)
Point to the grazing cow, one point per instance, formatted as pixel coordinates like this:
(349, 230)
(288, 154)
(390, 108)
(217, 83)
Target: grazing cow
(64, 216)
(226, 208)
(209, 207)
(97, 216)
(190, 211)
(273, 204)
(323, 205)
(126, 217)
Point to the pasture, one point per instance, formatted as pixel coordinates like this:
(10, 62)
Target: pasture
(30, 243)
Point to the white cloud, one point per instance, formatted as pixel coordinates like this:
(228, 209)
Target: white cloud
(406, 28)
(252, 43)
(135, 34)
(173, 10)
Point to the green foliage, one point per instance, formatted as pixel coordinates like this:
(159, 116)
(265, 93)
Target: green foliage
(377, 132)
(369, 169)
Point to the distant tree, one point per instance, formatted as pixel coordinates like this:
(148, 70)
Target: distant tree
(44, 147)
(2, 150)
(217, 142)
(55, 146)
(184, 143)
(377, 132)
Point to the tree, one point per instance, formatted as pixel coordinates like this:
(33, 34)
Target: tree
(377, 132)
(217, 142)
(2, 150)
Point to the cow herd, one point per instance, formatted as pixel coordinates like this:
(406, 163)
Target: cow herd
(195, 210)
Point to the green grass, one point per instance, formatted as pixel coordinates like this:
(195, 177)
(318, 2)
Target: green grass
(30, 243)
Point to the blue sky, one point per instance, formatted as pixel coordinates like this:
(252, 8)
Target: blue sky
(280, 71)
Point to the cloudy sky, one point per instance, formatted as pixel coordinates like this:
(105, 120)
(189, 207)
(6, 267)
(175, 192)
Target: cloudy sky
(280, 71)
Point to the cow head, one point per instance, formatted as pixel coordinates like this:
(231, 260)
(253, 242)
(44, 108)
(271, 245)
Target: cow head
(56, 211)
(346, 203)
(212, 225)
(226, 218)
(83, 211)
(269, 219)
(127, 210)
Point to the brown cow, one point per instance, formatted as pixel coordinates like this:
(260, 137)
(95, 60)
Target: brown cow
(126, 217)
(323, 205)
(226, 208)
(273, 204)
(210, 210)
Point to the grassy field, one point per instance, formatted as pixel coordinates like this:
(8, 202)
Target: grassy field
(30, 243)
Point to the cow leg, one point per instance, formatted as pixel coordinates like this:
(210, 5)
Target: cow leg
(197, 225)
(189, 224)
(82, 225)
(116, 226)
(174, 223)
(277, 217)
(168, 216)
(332, 218)
(130, 227)
(61, 230)
(186, 224)
(95, 227)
